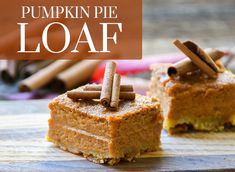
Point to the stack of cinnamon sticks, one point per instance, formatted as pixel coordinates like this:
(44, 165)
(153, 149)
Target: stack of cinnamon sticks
(207, 62)
(110, 92)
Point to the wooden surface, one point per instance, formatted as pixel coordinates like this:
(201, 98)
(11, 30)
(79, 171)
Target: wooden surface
(23, 147)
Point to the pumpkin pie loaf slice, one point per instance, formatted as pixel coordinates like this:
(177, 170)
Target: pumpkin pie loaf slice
(194, 102)
(103, 136)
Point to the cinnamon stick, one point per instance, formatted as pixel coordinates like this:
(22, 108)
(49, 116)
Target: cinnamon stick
(44, 76)
(77, 74)
(182, 67)
(87, 95)
(215, 54)
(76, 95)
(196, 60)
(115, 92)
(202, 54)
(106, 90)
(186, 65)
(220, 65)
(127, 95)
(123, 88)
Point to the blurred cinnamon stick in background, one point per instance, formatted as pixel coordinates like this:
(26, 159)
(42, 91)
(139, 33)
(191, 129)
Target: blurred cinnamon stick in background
(8, 70)
(47, 74)
(30, 69)
(77, 74)
(44, 76)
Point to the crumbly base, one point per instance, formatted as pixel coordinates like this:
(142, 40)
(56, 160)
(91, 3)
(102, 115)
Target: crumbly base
(201, 126)
(98, 159)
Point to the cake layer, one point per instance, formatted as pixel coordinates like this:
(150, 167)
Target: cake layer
(104, 127)
(92, 117)
(135, 121)
(66, 116)
(79, 141)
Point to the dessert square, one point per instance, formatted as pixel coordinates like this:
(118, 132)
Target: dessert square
(194, 102)
(103, 136)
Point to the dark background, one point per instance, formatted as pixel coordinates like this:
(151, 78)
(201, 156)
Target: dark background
(210, 23)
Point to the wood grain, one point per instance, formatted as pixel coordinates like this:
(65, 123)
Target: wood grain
(23, 146)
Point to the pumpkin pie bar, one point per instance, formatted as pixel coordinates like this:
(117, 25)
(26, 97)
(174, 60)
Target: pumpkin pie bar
(195, 101)
(103, 136)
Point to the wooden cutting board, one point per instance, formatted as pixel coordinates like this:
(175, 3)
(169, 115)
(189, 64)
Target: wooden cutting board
(23, 147)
